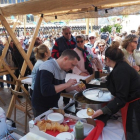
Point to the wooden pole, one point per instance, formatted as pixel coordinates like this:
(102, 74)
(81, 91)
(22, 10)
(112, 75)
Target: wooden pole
(7, 45)
(17, 43)
(24, 66)
(25, 25)
(96, 21)
(91, 24)
(87, 26)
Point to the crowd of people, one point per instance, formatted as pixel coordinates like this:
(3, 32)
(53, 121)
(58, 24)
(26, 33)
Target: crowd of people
(80, 54)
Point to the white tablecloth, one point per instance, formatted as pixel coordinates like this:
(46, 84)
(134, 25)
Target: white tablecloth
(68, 76)
(113, 131)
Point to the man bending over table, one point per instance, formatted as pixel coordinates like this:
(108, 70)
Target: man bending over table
(50, 81)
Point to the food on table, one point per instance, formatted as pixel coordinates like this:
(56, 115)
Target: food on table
(54, 126)
(81, 85)
(90, 111)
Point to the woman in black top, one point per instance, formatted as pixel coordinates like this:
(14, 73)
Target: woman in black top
(124, 83)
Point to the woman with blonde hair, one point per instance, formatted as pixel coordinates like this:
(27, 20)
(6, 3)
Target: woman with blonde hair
(42, 53)
(129, 46)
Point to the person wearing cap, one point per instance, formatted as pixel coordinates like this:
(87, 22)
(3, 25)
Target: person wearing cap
(105, 37)
(92, 38)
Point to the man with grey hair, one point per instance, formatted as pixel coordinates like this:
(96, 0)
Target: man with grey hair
(67, 41)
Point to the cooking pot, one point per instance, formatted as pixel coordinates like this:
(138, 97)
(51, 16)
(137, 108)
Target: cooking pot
(83, 102)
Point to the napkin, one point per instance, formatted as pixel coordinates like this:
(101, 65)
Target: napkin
(95, 133)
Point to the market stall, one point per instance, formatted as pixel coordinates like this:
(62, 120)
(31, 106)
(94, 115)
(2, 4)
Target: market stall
(51, 10)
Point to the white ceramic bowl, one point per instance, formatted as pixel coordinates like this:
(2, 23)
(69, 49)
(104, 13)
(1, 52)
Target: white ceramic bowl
(65, 136)
(56, 117)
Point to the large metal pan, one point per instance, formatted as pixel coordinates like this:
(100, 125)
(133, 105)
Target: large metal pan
(83, 102)
(98, 94)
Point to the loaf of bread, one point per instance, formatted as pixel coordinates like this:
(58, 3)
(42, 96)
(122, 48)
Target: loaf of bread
(90, 111)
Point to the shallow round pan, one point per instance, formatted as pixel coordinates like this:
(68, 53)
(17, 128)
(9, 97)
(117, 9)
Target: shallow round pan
(98, 94)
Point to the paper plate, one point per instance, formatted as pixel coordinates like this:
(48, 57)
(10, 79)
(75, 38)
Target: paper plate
(56, 117)
(83, 114)
(65, 136)
(87, 128)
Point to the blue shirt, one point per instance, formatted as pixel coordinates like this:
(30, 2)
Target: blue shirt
(34, 72)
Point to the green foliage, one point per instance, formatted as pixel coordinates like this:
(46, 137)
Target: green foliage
(118, 27)
(107, 28)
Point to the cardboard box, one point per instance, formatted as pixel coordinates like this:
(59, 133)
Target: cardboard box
(34, 129)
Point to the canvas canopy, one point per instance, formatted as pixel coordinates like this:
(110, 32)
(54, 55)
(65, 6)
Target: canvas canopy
(72, 9)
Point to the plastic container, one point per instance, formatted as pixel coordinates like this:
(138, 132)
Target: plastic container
(79, 131)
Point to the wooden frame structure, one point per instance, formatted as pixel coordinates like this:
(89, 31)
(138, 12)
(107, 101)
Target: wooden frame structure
(7, 69)
(63, 9)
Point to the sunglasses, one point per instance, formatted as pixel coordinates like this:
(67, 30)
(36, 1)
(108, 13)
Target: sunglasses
(80, 41)
(68, 33)
(91, 38)
(135, 42)
(101, 45)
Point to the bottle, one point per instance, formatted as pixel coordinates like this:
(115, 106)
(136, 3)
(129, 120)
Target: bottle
(134, 63)
(79, 130)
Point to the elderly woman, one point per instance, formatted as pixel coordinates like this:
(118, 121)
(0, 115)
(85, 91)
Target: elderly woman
(129, 46)
(88, 61)
(100, 52)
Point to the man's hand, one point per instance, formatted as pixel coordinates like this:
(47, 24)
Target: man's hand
(83, 74)
(71, 82)
(79, 89)
(136, 68)
(97, 113)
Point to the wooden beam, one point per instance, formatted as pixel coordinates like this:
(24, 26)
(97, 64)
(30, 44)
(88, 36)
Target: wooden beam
(8, 82)
(51, 6)
(87, 26)
(6, 72)
(18, 85)
(17, 43)
(7, 45)
(24, 66)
